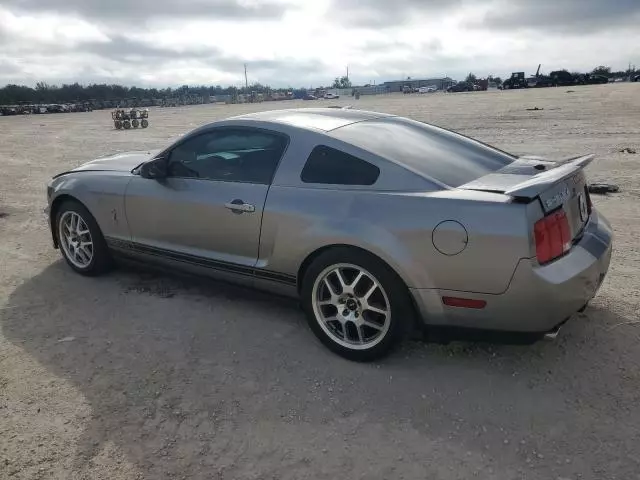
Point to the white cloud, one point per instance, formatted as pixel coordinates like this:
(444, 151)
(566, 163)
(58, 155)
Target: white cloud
(289, 43)
(50, 29)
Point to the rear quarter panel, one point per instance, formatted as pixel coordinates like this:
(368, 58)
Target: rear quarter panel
(398, 227)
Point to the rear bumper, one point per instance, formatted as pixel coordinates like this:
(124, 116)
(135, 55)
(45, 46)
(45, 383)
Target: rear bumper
(538, 297)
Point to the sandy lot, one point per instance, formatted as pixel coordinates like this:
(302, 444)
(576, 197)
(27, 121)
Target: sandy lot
(141, 375)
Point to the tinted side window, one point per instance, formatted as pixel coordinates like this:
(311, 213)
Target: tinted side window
(230, 155)
(330, 166)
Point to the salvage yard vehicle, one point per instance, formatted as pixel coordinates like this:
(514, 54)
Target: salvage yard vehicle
(516, 81)
(461, 87)
(431, 229)
(10, 110)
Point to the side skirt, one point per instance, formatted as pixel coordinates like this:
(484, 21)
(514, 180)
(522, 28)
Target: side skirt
(133, 248)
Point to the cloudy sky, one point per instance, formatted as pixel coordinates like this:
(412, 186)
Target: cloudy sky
(307, 42)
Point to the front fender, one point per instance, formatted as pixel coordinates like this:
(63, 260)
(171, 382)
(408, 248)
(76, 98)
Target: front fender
(102, 193)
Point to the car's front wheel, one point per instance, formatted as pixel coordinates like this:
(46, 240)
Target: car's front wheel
(80, 240)
(355, 304)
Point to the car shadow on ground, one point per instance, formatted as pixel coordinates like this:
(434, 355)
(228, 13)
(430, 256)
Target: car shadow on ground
(188, 376)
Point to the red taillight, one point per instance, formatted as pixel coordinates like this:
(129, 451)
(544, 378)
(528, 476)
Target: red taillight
(553, 236)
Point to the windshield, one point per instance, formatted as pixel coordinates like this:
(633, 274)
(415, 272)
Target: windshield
(447, 157)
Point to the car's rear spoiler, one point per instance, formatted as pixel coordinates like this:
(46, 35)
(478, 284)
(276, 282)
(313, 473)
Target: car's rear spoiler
(531, 188)
(524, 181)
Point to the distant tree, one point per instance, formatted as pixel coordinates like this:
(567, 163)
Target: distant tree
(621, 73)
(43, 87)
(342, 82)
(496, 80)
(44, 92)
(12, 94)
(602, 70)
(299, 92)
(471, 78)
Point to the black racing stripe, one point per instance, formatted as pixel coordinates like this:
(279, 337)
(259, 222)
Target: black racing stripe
(275, 276)
(117, 243)
(201, 261)
(193, 259)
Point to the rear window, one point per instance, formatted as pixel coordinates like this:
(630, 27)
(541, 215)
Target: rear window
(447, 157)
(330, 166)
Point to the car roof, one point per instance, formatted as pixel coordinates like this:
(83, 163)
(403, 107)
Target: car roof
(324, 119)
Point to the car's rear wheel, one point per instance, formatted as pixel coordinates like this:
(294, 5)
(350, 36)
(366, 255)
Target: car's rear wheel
(355, 304)
(80, 240)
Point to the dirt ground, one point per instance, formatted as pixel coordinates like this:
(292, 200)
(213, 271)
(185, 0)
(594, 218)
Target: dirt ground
(142, 375)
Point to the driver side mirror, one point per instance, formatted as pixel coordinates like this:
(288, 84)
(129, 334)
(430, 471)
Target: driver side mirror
(156, 168)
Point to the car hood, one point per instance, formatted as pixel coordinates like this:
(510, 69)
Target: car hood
(120, 162)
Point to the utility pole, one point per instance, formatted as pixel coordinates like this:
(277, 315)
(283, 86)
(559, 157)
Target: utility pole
(347, 72)
(246, 83)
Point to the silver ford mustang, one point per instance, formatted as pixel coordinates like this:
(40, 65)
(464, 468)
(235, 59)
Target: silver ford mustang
(376, 222)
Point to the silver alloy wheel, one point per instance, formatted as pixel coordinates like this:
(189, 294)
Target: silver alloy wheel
(75, 239)
(351, 306)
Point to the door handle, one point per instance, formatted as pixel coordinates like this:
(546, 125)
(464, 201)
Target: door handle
(238, 206)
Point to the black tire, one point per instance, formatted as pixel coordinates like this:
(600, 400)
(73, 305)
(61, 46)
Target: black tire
(144, 123)
(126, 124)
(401, 310)
(118, 124)
(101, 261)
(135, 123)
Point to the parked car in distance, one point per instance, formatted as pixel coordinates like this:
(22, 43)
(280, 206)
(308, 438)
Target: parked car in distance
(429, 89)
(597, 79)
(331, 96)
(461, 87)
(378, 223)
